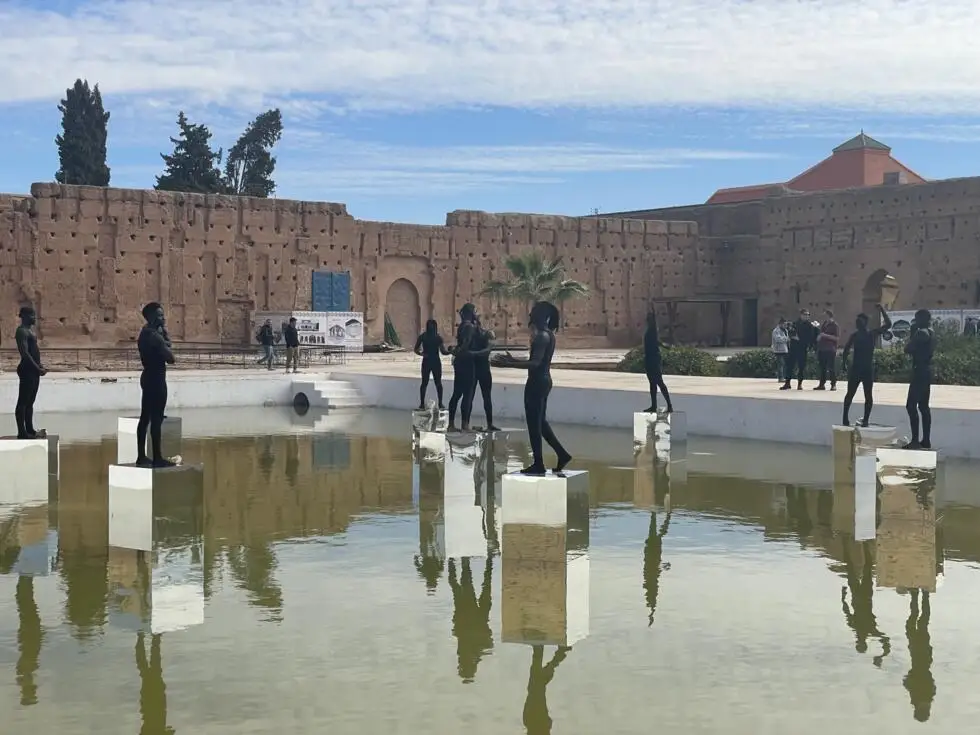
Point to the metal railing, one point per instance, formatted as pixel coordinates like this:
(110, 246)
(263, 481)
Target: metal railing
(189, 357)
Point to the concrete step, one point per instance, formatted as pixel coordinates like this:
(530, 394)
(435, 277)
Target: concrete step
(328, 393)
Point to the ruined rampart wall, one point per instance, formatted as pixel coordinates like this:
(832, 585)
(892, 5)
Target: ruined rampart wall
(88, 257)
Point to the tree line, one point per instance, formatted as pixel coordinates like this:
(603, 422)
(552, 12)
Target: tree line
(192, 166)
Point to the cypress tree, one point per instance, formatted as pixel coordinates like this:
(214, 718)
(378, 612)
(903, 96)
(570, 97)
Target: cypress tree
(82, 144)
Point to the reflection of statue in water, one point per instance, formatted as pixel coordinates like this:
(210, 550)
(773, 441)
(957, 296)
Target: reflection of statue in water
(153, 690)
(919, 682)
(536, 717)
(86, 590)
(798, 510)
(428, 562)
(29, 637)
(253, 567)
(653, 565)
(860, 614)
(471, 617)
(292, 461)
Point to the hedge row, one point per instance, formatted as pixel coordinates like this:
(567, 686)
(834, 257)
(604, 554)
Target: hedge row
(956, 362)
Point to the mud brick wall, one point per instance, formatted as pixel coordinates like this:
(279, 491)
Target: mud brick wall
(88, 258)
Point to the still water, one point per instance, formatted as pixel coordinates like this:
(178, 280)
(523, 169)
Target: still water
(732, 600)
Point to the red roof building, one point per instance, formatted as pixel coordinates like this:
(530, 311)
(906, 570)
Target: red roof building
(859, 162)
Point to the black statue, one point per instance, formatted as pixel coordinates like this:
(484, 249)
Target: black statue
(431, 347)
(481, 348)
(921, 345)
(464, 369)
(544, 321)
(862, 370)
(29, 372)
(537, 719)
(155, 354)
(653, 364)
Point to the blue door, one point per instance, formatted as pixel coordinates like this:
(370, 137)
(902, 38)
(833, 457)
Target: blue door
(331, 291)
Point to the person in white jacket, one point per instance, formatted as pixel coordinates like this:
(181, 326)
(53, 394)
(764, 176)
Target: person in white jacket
(780, 348)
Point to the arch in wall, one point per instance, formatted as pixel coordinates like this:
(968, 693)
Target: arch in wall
(880, 288)
(402, 307)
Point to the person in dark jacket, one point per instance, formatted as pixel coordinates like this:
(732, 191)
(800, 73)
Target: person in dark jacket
(802, 338)
(653, 364)
(290, 336)
(267, 338)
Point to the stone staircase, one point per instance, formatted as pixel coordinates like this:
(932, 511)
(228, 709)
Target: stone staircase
(325, 393)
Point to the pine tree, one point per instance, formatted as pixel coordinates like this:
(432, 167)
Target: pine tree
(82, 145)
(193, 166)
(250, 164)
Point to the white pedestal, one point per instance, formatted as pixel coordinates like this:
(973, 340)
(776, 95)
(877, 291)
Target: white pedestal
(126, 446)
(545, 562)
(156, 592)
(659, 428)
(429, 421)
(25, 465)
(148, 507)
(656, 476)
(855, 454)
(907, 545)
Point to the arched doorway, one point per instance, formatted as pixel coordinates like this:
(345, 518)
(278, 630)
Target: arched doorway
(880, 288)
(402, 307)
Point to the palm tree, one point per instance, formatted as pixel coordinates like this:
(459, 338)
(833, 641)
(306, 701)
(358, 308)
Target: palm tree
(535, 278)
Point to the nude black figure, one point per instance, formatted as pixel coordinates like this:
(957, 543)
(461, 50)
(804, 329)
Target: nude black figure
(481, 348)
(921, 345)
(653, 364)
(544, 320)
(464, 369)
(155, 354)
(862, 370)
(431, 347)
(29, 371)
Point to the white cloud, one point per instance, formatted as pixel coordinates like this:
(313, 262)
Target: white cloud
(913, 56)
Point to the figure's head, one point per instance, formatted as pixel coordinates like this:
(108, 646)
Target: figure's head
(804, 313)
(861, 322)
(292, 321)
(651, 318)
(28, 316)
(829, 313)
(268, 322)
(781, 322)
(468, 312)
(153, 313)
(431, 327)
(544, 315)
(923, 318)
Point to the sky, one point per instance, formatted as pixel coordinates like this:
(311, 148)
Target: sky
(405, 110)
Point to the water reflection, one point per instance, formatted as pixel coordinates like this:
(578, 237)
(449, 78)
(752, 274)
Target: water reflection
(299, 544)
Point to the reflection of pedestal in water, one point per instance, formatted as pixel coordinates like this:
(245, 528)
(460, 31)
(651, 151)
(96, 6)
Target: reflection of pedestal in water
(909, 555)
(661, 429)
(28, 484)
(126, 445)
(430, 421)
(156, 521)
(658, 471)
(545, 562)
(856, 480)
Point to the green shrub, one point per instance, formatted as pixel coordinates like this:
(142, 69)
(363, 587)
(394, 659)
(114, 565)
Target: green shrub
(676, 361)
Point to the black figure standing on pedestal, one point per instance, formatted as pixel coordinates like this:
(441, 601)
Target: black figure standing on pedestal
(921, 345)
(155, 354)
(29, 636)
(481, 348)
(544, 320)
(29, 371)
(653, 364)
(803, 336)
(537, 720)
(862, 370)
(471, 617)
(919, 682)
(153, 689)
(464, 369)
(431, 347)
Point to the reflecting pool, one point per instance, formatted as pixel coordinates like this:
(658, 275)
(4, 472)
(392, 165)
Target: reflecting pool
(331, 574)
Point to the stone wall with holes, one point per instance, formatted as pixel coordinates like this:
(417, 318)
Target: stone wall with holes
(822, 250)
(88, 258)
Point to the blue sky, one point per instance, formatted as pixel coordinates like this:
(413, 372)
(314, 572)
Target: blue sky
(407, 109)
